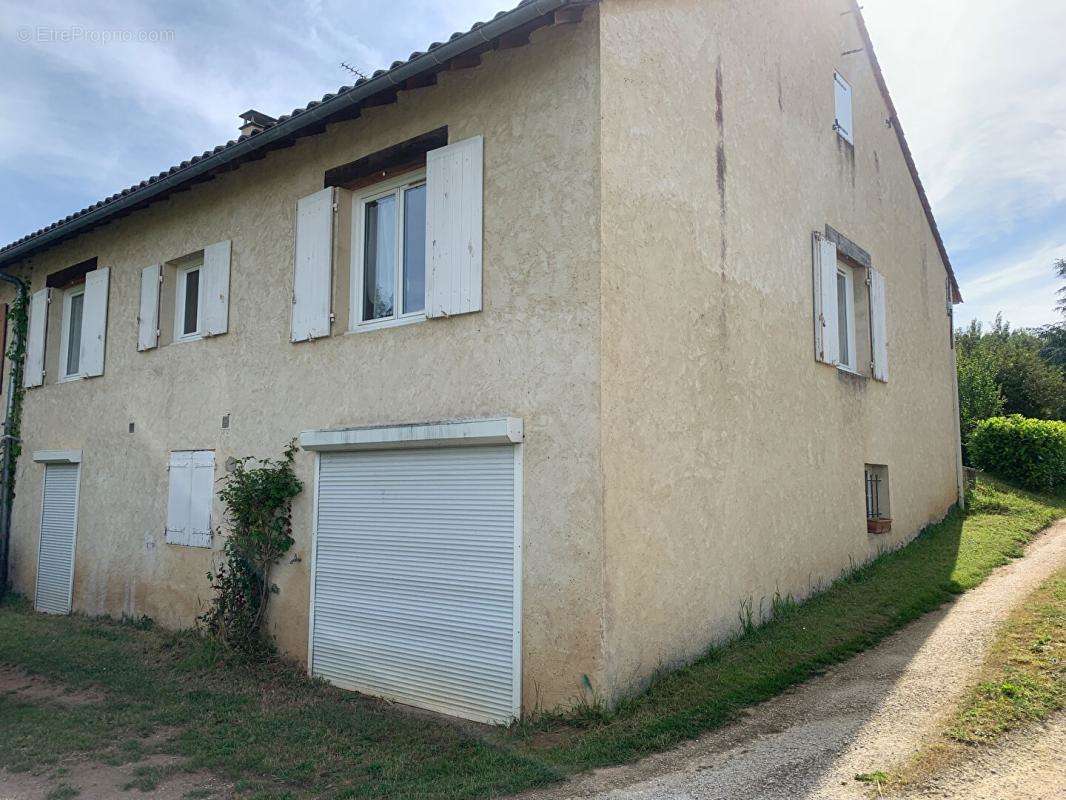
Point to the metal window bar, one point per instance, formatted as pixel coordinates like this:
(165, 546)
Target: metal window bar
(873, 495)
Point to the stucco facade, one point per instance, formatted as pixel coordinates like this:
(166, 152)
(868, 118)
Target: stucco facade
(653, 174)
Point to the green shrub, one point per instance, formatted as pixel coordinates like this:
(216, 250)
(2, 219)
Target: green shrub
(1030, 452)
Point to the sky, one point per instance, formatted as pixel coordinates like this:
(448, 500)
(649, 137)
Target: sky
(96, 97)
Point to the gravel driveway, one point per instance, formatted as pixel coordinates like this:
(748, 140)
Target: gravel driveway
(864, 715)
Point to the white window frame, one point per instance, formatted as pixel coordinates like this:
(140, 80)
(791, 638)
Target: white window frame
(179, 302)
(846, 316)
(64, 342)
(377, 191)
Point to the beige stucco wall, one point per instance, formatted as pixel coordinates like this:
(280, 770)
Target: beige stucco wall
(532, 353)
(733, 461)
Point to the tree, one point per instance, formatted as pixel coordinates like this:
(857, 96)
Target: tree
(1060, 269)
(979, 393)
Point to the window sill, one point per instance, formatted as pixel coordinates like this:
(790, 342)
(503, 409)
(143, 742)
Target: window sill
(392, 322)
(850, 372)
(191, 337)
(72, 378)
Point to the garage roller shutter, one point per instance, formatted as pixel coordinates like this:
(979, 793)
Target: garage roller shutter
(415, 594)
(55, 557)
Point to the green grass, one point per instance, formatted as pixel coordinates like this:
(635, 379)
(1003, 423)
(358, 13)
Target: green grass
(277, 734)
(1023, 679)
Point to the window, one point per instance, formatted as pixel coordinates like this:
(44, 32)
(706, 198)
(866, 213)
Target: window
(878, 516)
(70, 344)
(192, 493)
(389, 256)
(843, 123)
(188, 300)
(845, 288)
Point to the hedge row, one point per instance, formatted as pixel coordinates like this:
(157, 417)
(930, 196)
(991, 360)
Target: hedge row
(1030, 452)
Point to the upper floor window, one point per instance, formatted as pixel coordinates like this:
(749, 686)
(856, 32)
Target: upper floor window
(843, 123)
(389, 256)
(410, 245)
(188, 302)
(846, 317)
(70, 343)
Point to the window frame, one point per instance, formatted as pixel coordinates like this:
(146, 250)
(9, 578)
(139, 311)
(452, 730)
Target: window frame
(846, 316)
(180, 292)
(395, 187)
(64, 341)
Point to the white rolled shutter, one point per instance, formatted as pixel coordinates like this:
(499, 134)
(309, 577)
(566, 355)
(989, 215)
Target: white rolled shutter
(842, 91)
(454, 187)
(216, 288)
(55, 553)
(148, 316)
(312, 279)
(201, 498)
(826, 313)
(33, 372)
(178, 522)
(94, 322)
(878, 326)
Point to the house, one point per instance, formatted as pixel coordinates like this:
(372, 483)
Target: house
(594, 323)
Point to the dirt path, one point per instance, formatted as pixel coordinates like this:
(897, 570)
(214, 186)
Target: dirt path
(865, 715)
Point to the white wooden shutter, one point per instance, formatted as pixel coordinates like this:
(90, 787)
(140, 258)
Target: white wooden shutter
(842, 90)
(454, 187)
(826, 313)
(215, 275)
(94, 322)
(878, 326)
(312, 279)
(33, 372)
(178, 522)
(148, 316)
(201, 498)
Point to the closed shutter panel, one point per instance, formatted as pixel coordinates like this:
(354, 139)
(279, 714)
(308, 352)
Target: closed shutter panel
(842, 91)
(215, 275)
(454, 187)
(201, 498)
(35, 338)
(878, 326)
(826, 313)
(148, 317)
(178, 522)
(55, 556)
(414, 579)
(94, 322)
(312, 281)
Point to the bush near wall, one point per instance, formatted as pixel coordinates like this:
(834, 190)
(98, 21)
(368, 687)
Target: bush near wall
(1030, 452)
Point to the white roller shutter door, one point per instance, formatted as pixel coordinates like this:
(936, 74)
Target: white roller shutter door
(415, 586)
(55, 555)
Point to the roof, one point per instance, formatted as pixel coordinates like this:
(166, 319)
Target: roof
(508, 28)
(462, 49)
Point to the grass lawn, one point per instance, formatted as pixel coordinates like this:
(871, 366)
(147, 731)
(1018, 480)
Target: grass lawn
(1022, 681)
(278, 734)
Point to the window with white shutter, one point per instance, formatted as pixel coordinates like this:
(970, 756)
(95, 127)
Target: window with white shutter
(843, 123)
(215, 289)
(148, 316)
(878, 327)
(94, 322)
(33, 372)
(191, 497)
(312, 282)
(454, 186)
(826, 313)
